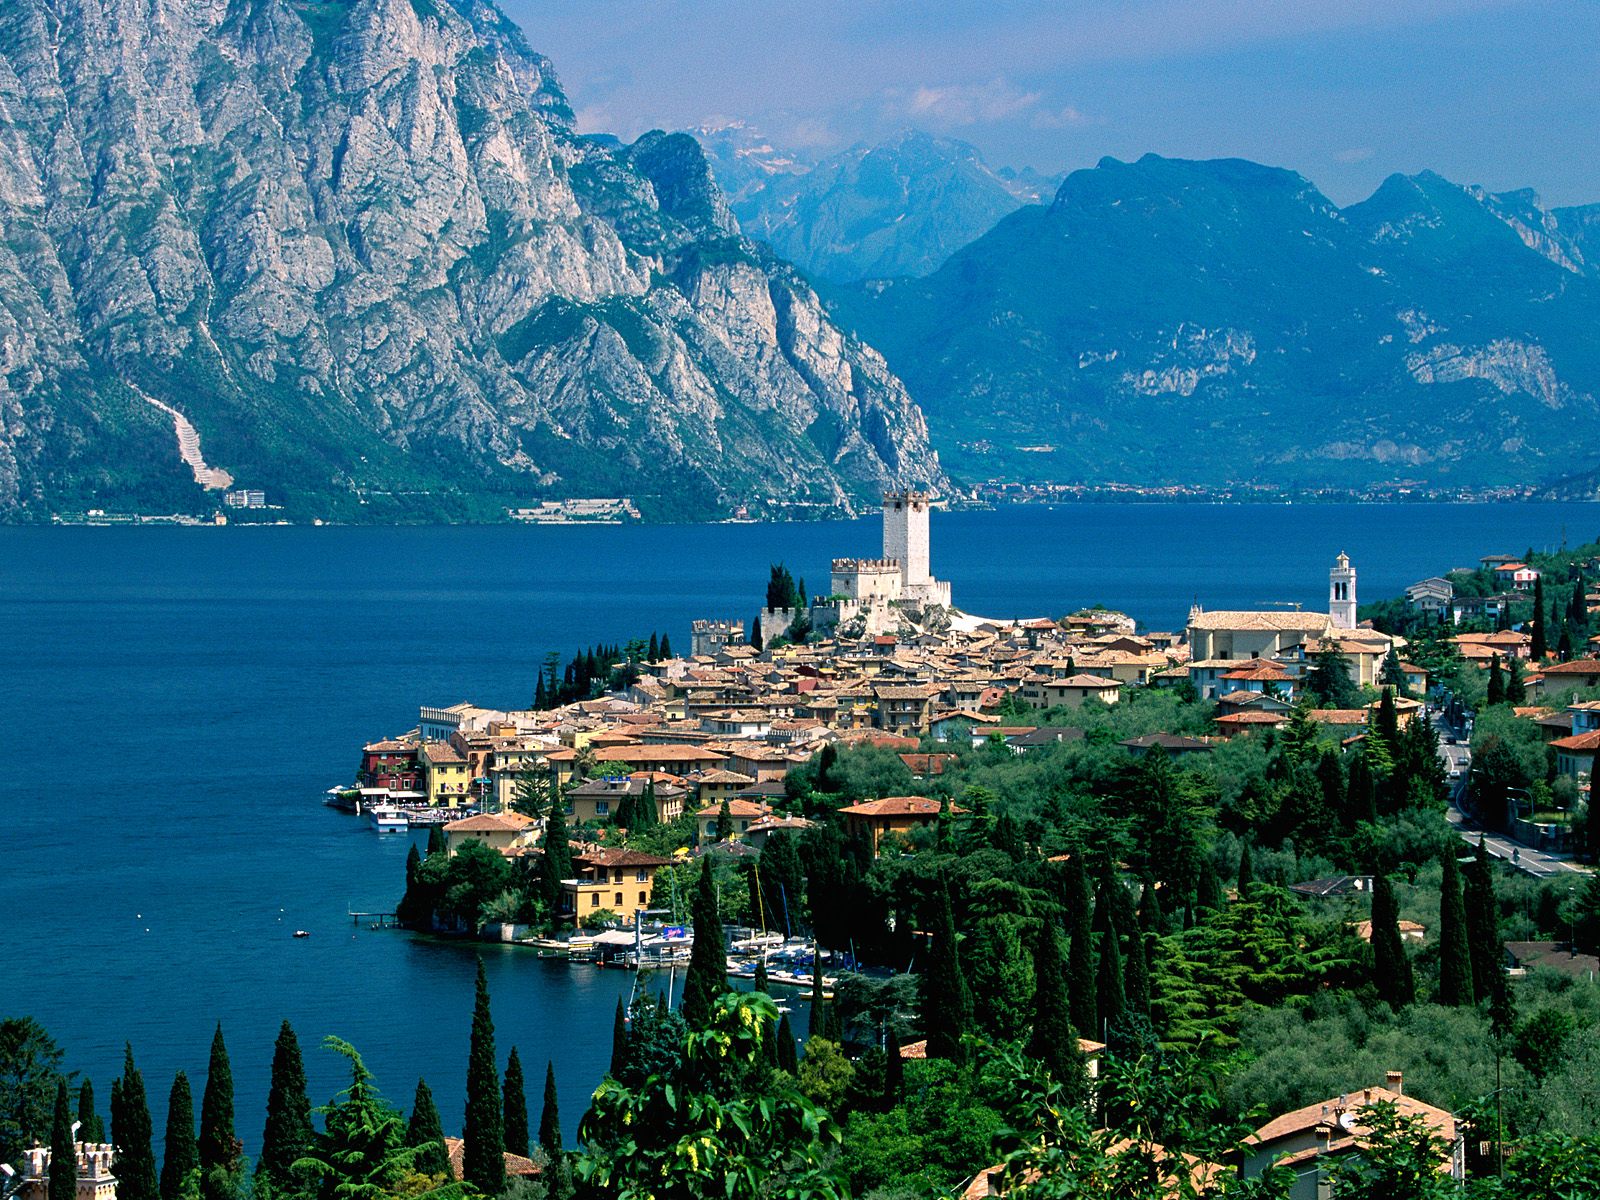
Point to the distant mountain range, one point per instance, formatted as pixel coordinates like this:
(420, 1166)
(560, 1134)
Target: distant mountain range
(1170, 321)
(898, 208)
(352, 253)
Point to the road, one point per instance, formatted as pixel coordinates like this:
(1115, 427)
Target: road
(1538, 863)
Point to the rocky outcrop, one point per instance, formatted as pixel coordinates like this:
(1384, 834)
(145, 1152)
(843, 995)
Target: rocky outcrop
(359, 246)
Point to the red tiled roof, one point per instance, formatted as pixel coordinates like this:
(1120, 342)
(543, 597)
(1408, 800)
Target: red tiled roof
(897, 806)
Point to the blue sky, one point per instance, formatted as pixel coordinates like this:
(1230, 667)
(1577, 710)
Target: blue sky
(1495, 92)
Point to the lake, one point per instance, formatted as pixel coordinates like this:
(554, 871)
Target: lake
(177, 700)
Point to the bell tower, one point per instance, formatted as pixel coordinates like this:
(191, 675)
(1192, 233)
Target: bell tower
(1342, 593)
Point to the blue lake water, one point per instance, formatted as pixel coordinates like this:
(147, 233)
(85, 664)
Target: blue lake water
(176, 700)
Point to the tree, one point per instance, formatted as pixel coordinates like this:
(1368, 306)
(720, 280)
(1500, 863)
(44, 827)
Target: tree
(946, 1000)
(707, 976)
(483, 1163)
(63, 1151)
(1001, 977)
(1110, 999)
(1497, 683)
(654, 651)
(1455, 954)
(557, 861)
(1136, 976)
(132, 1135)
(1483, 925)
(515, 1098)
(724, 821)
(1516, 685)
(1247, 874)
(1053, 1041)
(221, 1153)
(288, 1131)
(1393, 674)
(1391, 969)
(755, 632)
(1538, 634)
(30, 1064)
(1080, 950)
(425, 1133)
(619, 1039)
(550, 1140)
(788, 1059)
(92, 1128)
(1328, 679)
(180, 1162)
(1400, 1159)
(666, 647)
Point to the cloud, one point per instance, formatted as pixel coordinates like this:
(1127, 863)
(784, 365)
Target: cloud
(1355, 154)
(966, 104)
(1060, 118)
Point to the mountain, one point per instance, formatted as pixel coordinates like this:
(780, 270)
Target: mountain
(353, 253)
(898, 208)
(1169, 321)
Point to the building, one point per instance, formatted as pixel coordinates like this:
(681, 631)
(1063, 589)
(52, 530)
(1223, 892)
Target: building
(1575, 755)
(95, 1180)
(1431, 596)
(1342, 593)
(900, 815)
(711, 638)
(620, 882)
(1306, 1139)
(446, 781)
(600, 799)
(864, 588)
(1071, 692)
(502, 832)
(741, 815)
(1230, 636)
(245, 498)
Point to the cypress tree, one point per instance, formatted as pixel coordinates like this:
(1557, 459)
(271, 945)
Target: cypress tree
(219, 1147)
(654, 652)
(182, 1150)
(755, 632)
(550, 1116)
(724, 821)
(1247, 874)
(619, 1041)
(1152, 920)
(435, 840)
(1496, 693)
(894, 1071)
(93, 1129)
(666, 646)
(1080, 951)
(645, 812)
(1538, 646)
(946, 999)
(132, 1135)
(1361, 796)
(788, 1060)
(1052, 1034)
(1136, 976)
(1455, 954)
(1564, 645)
(483, 1160)
(1483, 926)
(1516, 685)
(287, 1135)
(63, 1153)
(762, 983)
(1208, 893)
(707, 977)
(515, 1099)
(815, 1015)
(1109, 996)
(426, 1131)
(557, 863)
(1391, 969)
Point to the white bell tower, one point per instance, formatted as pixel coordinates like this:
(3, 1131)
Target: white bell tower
(1342, 593)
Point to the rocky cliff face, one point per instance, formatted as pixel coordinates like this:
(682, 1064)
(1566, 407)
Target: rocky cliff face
(357, 244)
(1218, 322)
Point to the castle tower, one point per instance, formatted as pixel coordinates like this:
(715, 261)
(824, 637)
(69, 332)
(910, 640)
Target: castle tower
(905, 534)
(1342, 593)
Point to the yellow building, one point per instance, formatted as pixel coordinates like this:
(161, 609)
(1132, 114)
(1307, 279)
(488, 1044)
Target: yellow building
(446, 779)
(498, 831)
(620, 882)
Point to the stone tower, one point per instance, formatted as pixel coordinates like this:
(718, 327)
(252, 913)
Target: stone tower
(1342, 593)
(905, 534)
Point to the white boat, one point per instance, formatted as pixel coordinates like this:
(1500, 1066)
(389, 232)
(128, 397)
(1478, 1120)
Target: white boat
(387, 819)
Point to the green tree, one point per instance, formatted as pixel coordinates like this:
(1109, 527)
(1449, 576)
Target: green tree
(550, 1140)
(1455, 951)
(425, 1133)
(1497, 683)
(1053, 1040)
(1393, 675)
(1483, 925)
(92, 1128)
(221, 1153)
(1110, 999)
(1400, 1159)
(1001, 977)
(701, 1132)
(788, 1058)
(1538, 645)
(707, 976)
(619, 1039)
(30, 1065)
(180, 1161)
(1328, 679)
(946, 999)
(557, 861)
(63, 1150)
(1516, 683)
(514, 1094)
(1080, 949)
(132, 1135)
(483, 1162)
(1247, 874)
(825, 1073)
(288, 1130)
(724, 821)
(1391, 968)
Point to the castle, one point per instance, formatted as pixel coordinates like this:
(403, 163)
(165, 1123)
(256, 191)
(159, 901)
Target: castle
(902, 573)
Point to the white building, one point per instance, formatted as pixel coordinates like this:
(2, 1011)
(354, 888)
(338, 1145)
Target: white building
(95, 1180)
(1342, 593)
(902, 574)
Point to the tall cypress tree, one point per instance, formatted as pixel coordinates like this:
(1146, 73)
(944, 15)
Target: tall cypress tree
(894, 1072)
(220, 1150)
(132, 1135)
(288, 1132)
(92, 1128)
(1208, 892)
(1080, 950)
(1455, 953)
(1136, 976)
(1110, 998)
(514, 1095)
(1539, 636)
(1483, 925)
(550, 1116)
(1247, 874)
(788, 1059)
(707, 976)
(63, 1153)
(619, 1041)
(1496, 693)
(182, 1150)
(1052, 1014)
(557, 864)
(1391, 969)
(426, 1131)
(946, 999)
(483, 1160)
(816, 1016)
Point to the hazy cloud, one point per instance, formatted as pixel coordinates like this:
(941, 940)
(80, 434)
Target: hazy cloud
(968, 104)
(1355, 154)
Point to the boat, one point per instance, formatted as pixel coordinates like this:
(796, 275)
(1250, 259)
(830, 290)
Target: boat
(302, 933)
(388, 819)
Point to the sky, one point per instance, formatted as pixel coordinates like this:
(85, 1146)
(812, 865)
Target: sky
(1495, 92)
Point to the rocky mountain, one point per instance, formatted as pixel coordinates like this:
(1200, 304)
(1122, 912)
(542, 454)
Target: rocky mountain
(1169, 321)
(898, 208)
(353, 253)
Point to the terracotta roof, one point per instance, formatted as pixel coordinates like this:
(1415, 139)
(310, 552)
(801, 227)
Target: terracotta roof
(1328, 1111)
(389, 746)
(736, 808)
(621, 858)
(511, 822)
(1252, 718)
(645, 752)
(1583, 743)
(442, 753)
(455, 1148)
(1170, 741)
(1578, 666)
(1339, 716)
(898, 806)
(1291, 622)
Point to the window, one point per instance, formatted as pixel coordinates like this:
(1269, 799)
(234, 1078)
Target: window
(644, 898)
(641, 876)
(602, 807)
(594, 899)
(619, 900)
